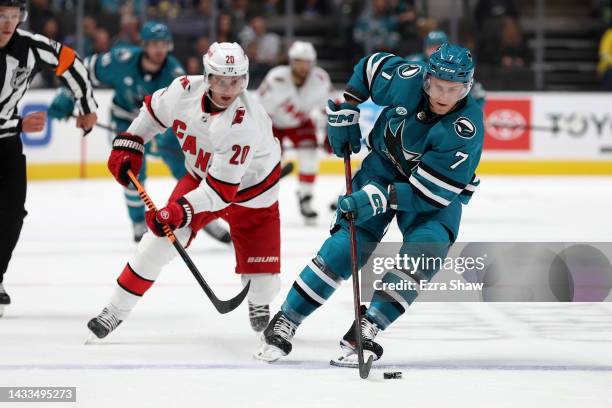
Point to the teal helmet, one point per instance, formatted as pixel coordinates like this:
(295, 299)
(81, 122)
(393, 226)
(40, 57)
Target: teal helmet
(435, 37)
(155, 31)
(450, 63)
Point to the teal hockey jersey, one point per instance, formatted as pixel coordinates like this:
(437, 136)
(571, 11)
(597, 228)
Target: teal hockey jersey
(120, 68)
(434, 155)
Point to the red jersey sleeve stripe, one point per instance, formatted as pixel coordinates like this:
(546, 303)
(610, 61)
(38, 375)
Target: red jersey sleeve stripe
(227, 191)
(147, 102)
(253, 191)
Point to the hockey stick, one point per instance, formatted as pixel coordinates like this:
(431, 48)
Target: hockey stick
(286, 169)
(222, 306)
(364, 367)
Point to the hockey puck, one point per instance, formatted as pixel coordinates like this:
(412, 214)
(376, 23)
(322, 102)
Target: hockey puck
(392, 375)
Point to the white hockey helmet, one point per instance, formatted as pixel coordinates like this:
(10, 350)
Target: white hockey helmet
(302, 50)
(226, 59)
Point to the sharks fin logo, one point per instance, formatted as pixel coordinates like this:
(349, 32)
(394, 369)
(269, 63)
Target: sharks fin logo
(464, 128)
(408, 71)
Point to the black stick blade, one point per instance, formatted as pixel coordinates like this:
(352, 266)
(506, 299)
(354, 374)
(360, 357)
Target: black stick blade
(286, 169)
(364, 370)
(226, 306)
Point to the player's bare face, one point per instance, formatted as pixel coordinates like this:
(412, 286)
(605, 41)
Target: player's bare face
(225, 89)
(157, 51)
(9, 19)
(443, 95)
(300, 69)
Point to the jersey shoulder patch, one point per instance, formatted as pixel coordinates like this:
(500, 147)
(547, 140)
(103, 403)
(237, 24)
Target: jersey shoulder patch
(464, 127)
(185, 83)
(408, 71)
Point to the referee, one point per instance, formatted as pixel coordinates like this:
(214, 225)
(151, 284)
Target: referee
(22, 56)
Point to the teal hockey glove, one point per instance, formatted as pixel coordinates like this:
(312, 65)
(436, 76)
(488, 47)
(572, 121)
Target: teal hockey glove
(366, 203)
(62, 105)
(343, 127)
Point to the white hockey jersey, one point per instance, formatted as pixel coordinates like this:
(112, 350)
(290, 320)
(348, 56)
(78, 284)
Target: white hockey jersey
(233, 152)
(288, 105)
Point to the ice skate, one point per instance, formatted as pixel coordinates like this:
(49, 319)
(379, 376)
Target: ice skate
(5, 299)
(348, 344)
(215, 230)
(139, 230)
(259, 315)
(276, 339)
(104, 323)
(310, 215)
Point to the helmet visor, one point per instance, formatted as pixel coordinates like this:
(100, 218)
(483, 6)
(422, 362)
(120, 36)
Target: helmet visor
(448, 90)
(227, 85)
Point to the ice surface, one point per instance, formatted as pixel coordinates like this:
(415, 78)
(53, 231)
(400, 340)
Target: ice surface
(175, 350)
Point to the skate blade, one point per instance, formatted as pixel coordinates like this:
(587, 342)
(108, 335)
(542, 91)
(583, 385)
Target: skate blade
(268, 353)
(1, 310)
(351, 361)
(92, 339)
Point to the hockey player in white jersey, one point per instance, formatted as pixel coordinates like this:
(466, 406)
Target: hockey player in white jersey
(290, 94)
(233, 165)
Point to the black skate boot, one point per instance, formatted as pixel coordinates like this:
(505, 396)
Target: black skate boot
(259, 315)
(310, 215)
(5, 299)
(217, 232)
(104, 323)
(348, 344)
(276, 339)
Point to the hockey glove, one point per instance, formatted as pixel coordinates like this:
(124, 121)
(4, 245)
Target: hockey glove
(62, 105)
(177, 214)
(343, 127)
(126, 155)
(364, 204)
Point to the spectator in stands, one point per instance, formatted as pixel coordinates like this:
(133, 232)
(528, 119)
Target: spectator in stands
(240, 13)
(193, 66)
(128, 31)
(513, 49)
(377, 31)
(406, 14)
(313, 8)
(265, 46)
(90, 26)
(102, 41)
(491, 9)
(262, 47)
(500, 41)
(224, 28)
(192, 22)
(40, 11)
(604, 68)
(201, 46)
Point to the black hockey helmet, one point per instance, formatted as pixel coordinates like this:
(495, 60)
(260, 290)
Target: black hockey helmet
(22, 4)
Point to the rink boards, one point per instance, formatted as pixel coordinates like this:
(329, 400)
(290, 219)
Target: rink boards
(527, 133)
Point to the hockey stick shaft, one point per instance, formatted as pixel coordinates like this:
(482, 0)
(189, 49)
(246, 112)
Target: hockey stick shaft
(222, 306)
(364, 368)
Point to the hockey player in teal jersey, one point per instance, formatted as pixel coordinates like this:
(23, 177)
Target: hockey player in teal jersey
(420, 169)
(133, 73)
(431, 42)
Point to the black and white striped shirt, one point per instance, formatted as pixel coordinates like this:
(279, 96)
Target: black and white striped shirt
(22, 58)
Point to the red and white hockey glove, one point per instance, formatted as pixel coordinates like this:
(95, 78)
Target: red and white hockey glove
(177, 214)
(126, 155)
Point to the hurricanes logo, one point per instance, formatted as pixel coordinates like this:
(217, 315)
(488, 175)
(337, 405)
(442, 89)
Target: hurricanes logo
(164, 215)
(464, 128)
(408, 71)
